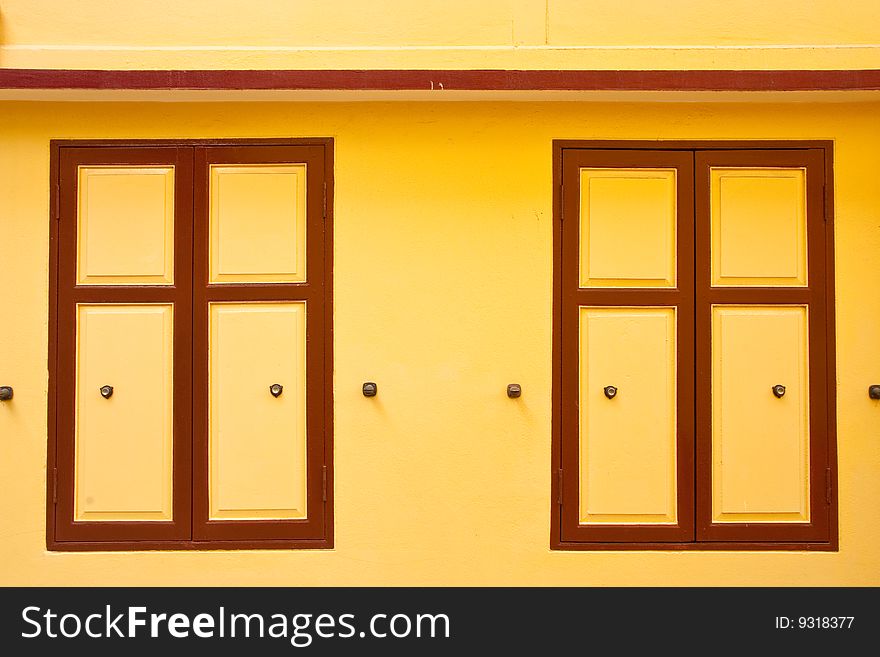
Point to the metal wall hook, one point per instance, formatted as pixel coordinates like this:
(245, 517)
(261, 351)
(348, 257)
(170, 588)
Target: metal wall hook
(276, 389)
(514, 390)
(5, 393)
(610, 392)
(370, 389)
(778, 390)
(874, 391)
(106, 392)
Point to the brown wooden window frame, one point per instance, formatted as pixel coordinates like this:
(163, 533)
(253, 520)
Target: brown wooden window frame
(191, 292)
(694, 530)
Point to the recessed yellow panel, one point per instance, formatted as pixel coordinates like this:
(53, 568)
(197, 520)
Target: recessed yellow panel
(628, 442)
(125, 225)
(124, 455)
(257, 446)
(759, 226)
(258, 223)
(627, 228)
(760, 442)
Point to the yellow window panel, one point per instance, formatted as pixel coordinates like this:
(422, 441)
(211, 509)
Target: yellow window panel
(628, 442)
(628, 228)
(124, 437)
(759, 226)
(258, 223)
(257, 438)
(125, 225)
(760, 437)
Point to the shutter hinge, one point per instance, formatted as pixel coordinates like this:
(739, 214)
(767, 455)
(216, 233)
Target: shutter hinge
(562, 203)
(324, 483)
(54, 485)
(57, 202)
(824, 203)
(324, 207)
(828, 485)
(559, 486)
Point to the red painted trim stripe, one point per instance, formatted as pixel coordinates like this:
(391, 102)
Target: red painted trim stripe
(469, 80)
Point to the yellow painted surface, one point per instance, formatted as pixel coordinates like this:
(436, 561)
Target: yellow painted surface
(627, 444)
(257, 445)
(123, 450)
(627, 228)
(440, 34)
(126, 226)
(258, 223)
(447, 95)
(760, 443)
(443, 295)
(759, 226)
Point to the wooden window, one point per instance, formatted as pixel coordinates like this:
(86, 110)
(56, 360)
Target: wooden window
(693, 347)
(190, 383)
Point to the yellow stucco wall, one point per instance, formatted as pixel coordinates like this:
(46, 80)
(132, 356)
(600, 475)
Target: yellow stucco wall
(440, 34)
(442, 296)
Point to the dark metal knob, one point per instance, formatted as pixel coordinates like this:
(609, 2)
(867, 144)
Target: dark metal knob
(5, 393)
(873, 392)
(778, 390)
(276, 389)
(370, 389)
(106, 392)
(514, 390)
(610, 392)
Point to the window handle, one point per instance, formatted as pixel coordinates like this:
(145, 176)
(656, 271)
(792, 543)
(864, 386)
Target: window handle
(276, 389)
(5, 393)
(778, 390)
(610, 392)
(106, 392)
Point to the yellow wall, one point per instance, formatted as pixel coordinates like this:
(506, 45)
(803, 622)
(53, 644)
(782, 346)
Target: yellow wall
(443, 297)
(440, 34)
